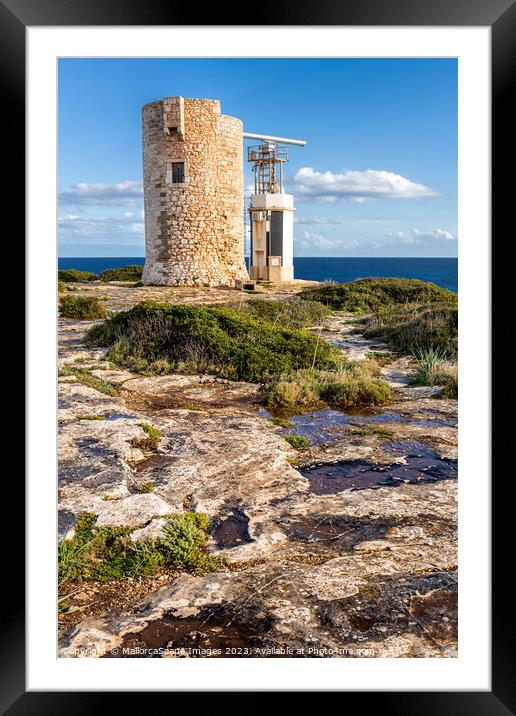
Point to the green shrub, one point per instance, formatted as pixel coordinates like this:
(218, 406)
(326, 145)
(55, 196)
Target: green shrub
(131, 272)
(105, 553)
(414, 327)
(291, 313)
(146, 487)
(208, 339)
(354, 384)
(82, 308)
(61, 286)
(297, 441)
(368, 294)
(75, 276)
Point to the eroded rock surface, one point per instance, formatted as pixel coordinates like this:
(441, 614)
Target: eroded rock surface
(342, 573)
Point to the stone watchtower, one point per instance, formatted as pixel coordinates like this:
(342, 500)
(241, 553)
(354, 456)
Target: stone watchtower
(193, 193)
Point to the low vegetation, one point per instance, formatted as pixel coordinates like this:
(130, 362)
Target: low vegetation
(379, 432)
(412, 317)
(297, 441)
(105, 553)
(380, 357)
(281, 422)
(435, 368)
(146, 487)
(151, 441)
(91, 381)
(75, 276)
(160, 337)
(61, 286)
(353, 383)
(81, 308)
(411, 328)
(131, 272)
(292, 313)
(369, 294)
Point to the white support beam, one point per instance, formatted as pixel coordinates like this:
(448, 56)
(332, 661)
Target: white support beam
(267, 138)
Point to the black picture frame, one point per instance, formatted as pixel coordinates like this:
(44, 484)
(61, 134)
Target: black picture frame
(500, 15)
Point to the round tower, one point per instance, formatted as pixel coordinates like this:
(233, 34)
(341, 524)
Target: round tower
(193, 193)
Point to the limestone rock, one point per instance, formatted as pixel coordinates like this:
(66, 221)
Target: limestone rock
(133, 510)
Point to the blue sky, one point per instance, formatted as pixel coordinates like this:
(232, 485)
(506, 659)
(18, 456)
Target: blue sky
(378, 176)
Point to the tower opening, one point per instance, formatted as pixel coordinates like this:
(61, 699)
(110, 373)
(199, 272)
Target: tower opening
(178, 172)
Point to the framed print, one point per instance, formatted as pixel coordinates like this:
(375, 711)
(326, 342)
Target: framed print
(258, 289)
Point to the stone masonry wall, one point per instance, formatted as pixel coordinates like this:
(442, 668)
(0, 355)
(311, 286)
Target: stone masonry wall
(194, 231)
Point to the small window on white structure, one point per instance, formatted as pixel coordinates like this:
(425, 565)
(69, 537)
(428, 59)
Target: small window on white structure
(178, 172)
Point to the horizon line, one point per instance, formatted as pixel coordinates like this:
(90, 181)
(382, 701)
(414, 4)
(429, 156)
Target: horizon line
(295, 257)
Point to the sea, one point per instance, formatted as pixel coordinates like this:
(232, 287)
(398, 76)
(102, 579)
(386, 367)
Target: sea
(442, 271)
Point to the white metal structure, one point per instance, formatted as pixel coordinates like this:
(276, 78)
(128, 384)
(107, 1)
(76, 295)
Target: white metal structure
(271, 211)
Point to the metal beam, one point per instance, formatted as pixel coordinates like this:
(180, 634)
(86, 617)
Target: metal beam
(267, 138)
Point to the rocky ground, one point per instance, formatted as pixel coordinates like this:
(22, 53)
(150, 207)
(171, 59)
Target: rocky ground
(347, 548)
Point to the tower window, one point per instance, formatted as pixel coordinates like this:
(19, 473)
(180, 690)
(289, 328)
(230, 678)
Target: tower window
(178, 172)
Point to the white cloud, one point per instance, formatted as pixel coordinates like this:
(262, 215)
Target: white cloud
(356, 186)
(311, 240)
(123, 193)
(416, 236)
(88, 229)
(316, 220)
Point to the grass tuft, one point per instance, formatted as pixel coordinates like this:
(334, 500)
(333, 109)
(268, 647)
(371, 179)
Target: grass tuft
(151, 441)
(297, 441)
(86, 378)
(435, 368)
(281, 422)
(353, 384)
(380, 432)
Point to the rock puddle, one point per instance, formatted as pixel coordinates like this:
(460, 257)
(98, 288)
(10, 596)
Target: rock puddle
(419, 465)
